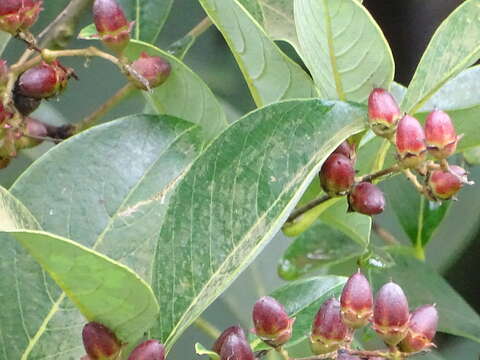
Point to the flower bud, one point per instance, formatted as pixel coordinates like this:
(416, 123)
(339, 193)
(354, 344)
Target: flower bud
(356, 301)
(25, 104)
(421, 330)
(43, 81)
(148, 350)
(337, 175)
(232, 330)
(383, 112)
(16, 15)
(328, 329)
(440, 135)
(112, 25)
(391, 313)
(366, 198)
(410, 141)
(33, 130)
(31, 10)
(154, 69)
(99, 342)
(236, 347)
(443, 185)
(271, 322)
(348, 150)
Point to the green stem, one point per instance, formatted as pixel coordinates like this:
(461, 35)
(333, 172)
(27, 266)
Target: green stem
(419, 250)
(207, 327)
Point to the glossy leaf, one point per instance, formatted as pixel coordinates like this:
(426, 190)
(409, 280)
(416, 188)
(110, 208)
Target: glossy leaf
(343, 48)
(454, 46)
(235, 198)
(253, 7)
(423, 285)
(111, 198)
(271, 76)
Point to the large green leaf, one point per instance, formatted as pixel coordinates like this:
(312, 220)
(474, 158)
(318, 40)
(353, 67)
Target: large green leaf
(343, 47)
(269, 73)
(253, 8)
(106, 188)
(454, 46)
(423, 285)
(235, 198)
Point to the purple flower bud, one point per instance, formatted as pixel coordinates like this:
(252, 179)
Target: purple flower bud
(366, 198)
(410, 141)
(440, 135)
(236, 347)
(271, 322)
(16, 15)
(232, 330)
(328, 329)
(33, 129)
(43, 81)
(444, 185)
(422, 329)
(356, 301)
(348, 150)
(99, 342)
(337, 175)
(148, 350)
(383, 112)
(154, 69)
(391, 313)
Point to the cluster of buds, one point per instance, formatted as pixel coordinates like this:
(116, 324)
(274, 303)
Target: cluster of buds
(100, 343)
(337, 178)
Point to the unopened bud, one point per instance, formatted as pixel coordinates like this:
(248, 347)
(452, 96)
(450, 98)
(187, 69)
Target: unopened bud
(16, 15)
(112, 25)
(43, 81)
(348, 150)
(236, 347)
(99, 342)
(422, 329)
(356, 301)
(383, 112)
(440, 135)
(444, 185)
(25, 104)
(391, 313)
(148, 350)
(410, 142)
(232, 330)
(337, 175)
(271, 322)
(34, 131)
(153, 69)
(328, 329)
(366, 198)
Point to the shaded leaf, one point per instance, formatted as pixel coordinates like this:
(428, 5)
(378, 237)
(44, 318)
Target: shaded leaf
(253, 7)
(270, 75)
(4, 39)
(235, 198)
(343, 48)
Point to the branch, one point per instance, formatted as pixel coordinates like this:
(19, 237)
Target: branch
(302, 210)
(206, 327)
(384, 234)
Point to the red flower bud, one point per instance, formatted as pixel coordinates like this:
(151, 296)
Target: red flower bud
(356, 301)
(348, 150)
(391, 313)
(410, 141)
(33, 128)
(43, 81)
(16, 15)
(271, 322)
(366, 198)
(444, 185)
(328, 329)
(337, 175)
(422, 329)
(232, 330)
(112, 25)
(3, 73)
(148, 350)
(236, 347)
(154, 69)
(440, 135)
(99, 342)
(383, 112)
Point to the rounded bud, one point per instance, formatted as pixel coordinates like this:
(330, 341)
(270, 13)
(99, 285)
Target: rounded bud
(232, 330)
(34, 129)
(391, 313)
(99, 342)
(421, 330)
(25, 104)
(410, 142)
(440, 135)
(328, 329)
(444, 185)
(348, 150)
(366, 198)
(337, 175)
(356, 301)
(43, 81)
(383, 112)
(236, 347)
(148, 350)
(112, 25)
(271, 322)
(154, 69)
(16, 15)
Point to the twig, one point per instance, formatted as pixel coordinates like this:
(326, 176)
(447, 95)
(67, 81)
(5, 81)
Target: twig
(300, 211)
(384, 234)
(180, 47)
(207, 327)
(370, 177)
(201, 27)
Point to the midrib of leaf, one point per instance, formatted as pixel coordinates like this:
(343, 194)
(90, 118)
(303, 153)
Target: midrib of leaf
(275, 10)
(352, 128)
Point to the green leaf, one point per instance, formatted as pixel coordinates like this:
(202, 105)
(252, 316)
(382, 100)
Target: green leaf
(302, 299)
(343, 47)
(423, 285)
(106, 188)
(269, 73)
(454, 46)
(253, 7)
(4, 39)
(202, 350)
(418, 216)
(89, 32)
(235, 198)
